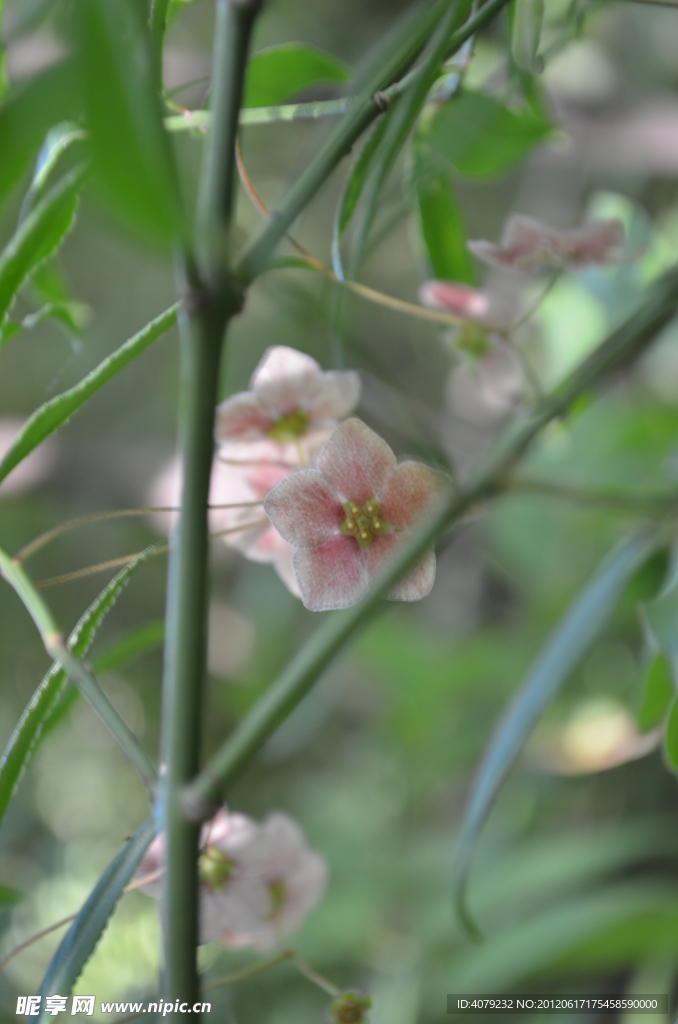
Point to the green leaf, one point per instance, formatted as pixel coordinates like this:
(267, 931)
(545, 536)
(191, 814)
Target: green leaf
(132, 156)
(53, 414)
(275, 74)
(528, 17)
(27, 114)
(661, 619)
(53, 689)
(58, 141)
(82, 937)
(351, 193)
(440, 219)
(71, 315)
(671, 738)
(481, 137)
(564, 649)
(38, 237)
(658, 692)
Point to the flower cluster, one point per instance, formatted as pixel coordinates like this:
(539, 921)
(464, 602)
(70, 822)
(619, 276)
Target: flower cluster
(349, 1008)
(258, 880)
(326, 503)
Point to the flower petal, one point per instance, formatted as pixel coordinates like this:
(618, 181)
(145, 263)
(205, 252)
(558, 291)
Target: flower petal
(331, 576)
(303, 509)
(412, 492)
(337, 396)
(356, 462)
(286, 380)
(458, 299)
(598, 242)
(417, 581)
(242, 418)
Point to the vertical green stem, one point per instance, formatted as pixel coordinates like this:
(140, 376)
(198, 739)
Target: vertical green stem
(158, 23)
(210, 300)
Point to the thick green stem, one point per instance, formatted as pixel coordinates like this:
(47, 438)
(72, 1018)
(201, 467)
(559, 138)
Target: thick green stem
(381, 93)
(622, 346)
(210, 301)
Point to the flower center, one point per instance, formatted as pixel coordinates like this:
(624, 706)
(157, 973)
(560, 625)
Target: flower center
(214, 868)
(278, 891)
(363, 522)
(289, 428)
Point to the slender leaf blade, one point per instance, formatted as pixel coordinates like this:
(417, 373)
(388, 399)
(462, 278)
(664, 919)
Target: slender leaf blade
(38, 237)
(54, 413)
(82, 937)
(568, 643)
(658, 692)
(54, 688)
(440, 219)
(279, 72)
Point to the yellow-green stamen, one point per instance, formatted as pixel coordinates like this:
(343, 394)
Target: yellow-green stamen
(363, 522)
(289, 428)
(214, 868)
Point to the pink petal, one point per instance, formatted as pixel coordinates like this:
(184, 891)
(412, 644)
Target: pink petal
(303, 509)
(242, 418)
(337, 396)
(331, 576)
(286, 380)
(417, 581)
(525, 234)
(356, 462)
(411, 493)
(454, 298)
(596, 242)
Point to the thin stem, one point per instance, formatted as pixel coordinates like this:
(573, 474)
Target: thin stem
(381, 94)
(622, 346)
(157, 549)
(551, 283)
(96, 517)
(314, 977)
(77, 671)
(212, 298)
(250, 972)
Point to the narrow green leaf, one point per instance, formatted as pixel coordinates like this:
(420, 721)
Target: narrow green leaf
(671, 738)
(481, 137)
(658, 692)
(71, 315)
(275, 74)
(134, 643)
(351, 192)
(132, 157)
(58, 141)
(53, 689)
(53, 414)
(528, 17)
(38, 237)
(564, 649)
(440, 219)
(28, 112)
(82, 937)
(661, 619)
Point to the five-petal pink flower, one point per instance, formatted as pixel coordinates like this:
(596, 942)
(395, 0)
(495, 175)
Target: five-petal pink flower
(527, 244)
(346, 517)
(258, 880)
(289, 412)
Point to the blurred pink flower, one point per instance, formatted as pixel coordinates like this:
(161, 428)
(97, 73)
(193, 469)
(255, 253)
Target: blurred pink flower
(346, 517)
(455, 298)
(235, 485)
(290, 411)
(258, 880)
(527, 244)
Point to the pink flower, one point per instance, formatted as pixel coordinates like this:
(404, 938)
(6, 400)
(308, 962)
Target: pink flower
(527, 244)
(457, 299)
(346, 517)
(258, 880)
(245, 485)
(293, 403)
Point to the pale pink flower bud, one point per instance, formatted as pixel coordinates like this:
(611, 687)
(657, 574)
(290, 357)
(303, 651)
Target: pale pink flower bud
(457, 299)
(347, 517)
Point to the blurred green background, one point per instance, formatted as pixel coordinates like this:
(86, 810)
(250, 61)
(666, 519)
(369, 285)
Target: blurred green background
(575, 883)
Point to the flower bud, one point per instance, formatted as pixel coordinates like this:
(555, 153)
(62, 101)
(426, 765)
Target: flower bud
(349, 1008)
